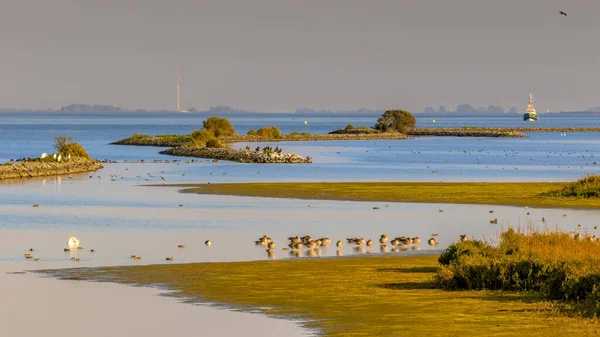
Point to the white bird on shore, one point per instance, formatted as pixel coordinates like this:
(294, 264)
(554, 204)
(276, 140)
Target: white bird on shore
(44, 155)
(59, 158)
(54, 156)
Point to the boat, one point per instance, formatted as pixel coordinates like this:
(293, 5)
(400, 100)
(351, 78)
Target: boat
(530, 114)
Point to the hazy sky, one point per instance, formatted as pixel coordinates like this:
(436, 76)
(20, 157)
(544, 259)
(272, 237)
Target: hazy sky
(278, 55)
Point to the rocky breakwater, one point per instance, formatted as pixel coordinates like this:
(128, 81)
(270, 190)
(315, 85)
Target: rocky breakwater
(468, 132)
(240, 156)
(40, 168)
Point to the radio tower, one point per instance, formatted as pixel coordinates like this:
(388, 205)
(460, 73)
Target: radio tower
(178, 93)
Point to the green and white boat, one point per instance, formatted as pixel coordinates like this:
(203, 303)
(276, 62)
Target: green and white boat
(531, 114)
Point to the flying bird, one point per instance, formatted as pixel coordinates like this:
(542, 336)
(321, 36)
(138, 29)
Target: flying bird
(562, 13)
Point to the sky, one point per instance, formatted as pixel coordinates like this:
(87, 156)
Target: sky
(279, 55)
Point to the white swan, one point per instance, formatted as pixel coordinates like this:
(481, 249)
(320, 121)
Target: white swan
(73, 243)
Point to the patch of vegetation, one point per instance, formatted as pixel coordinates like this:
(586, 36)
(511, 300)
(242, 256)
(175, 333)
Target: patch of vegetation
(349, 127)
(588, 187)
(65, 147)
(396, 120)
(139, 136)
(517, 194)
(269, 132)
(251, 132)
(356, 296)
(219, 126)
(558, 265)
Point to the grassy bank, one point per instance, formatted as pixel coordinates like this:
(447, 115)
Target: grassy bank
(516, 194)
(363, 296)
(556, 264)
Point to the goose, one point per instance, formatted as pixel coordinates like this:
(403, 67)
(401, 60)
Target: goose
(416, 240)
(180, 246)
(36, 205)
(271, 245)
(208, 243)
(169, 258)
(28, 256)
(432, 242)
(339, 244)
(463, 237)
(370, 243)
(91, 250)
(37, 260)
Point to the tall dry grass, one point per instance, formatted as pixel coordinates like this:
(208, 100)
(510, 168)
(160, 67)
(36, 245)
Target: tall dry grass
(561, 265)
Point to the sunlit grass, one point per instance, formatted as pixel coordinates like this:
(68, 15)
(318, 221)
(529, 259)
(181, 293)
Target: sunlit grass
(356, 296)
(515, 194)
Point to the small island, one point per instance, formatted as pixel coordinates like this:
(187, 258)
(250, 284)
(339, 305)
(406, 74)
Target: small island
(70, 157)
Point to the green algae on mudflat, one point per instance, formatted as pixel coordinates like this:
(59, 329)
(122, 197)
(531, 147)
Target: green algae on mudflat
(356, 296)
(513, 194)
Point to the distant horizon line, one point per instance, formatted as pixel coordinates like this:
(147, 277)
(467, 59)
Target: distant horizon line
(104, 108)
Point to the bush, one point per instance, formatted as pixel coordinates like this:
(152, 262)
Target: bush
(201, 137)
(396, 120)
(65, 146)
(269, 132)
(588, 187)
(219, 126)
(350, 127)
(214, 143)
(553, 263)
(251, 132)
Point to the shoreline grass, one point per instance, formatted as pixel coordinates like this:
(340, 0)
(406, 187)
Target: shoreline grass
(355, 296)
(509, 194)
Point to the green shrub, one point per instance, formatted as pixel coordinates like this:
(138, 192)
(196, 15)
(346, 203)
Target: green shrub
(65, 146)
(251, 132)
(350, 127)
(396, 120)
(269, 132)
(553, 263)
(214, 143)
(588, 187)
(219, 126)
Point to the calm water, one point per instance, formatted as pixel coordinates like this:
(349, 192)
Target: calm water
(542, 157)
(121, 217)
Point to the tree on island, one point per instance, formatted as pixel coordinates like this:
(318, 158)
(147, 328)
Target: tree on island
(219, 126)
(395, 120)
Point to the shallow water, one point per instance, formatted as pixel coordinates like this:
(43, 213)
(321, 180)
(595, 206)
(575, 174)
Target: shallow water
(120, 219)
(31, 305)
(117, 216)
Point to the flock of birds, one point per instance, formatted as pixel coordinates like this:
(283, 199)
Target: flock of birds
(313, 246)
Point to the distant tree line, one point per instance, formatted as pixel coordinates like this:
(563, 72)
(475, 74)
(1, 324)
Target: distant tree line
(469, 109)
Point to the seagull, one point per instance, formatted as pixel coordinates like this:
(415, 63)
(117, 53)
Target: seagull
(562, 13)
